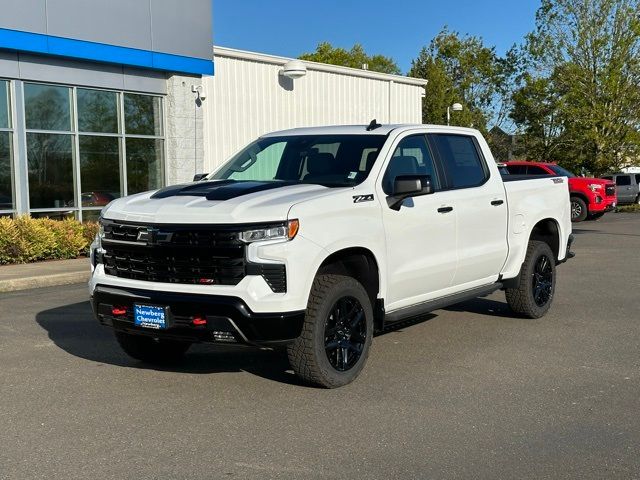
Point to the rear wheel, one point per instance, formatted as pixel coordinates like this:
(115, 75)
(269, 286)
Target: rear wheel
(152, 350)
(537, 282)
(337, 333)
(578, 209)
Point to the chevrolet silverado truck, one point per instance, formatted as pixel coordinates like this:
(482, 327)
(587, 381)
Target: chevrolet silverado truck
(315, 238)
(590, 197)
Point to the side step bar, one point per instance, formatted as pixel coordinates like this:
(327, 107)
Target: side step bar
(438, 303)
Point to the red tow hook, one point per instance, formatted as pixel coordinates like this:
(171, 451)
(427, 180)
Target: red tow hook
(198, 320)
(118, 311)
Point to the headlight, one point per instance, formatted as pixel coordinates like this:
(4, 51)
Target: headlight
(279, 232)
(594, 187)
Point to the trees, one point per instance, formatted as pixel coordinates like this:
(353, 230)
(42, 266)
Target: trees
(354, 58)
(464, 70)
(577, 101)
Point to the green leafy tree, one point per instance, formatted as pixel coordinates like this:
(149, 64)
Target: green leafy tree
(578, 100)
(462, 69)
(354, 58)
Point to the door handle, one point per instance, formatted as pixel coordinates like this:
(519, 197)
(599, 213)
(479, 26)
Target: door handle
(495, 203)
(445, 209)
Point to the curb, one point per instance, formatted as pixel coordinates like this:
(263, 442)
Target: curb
(43, 281)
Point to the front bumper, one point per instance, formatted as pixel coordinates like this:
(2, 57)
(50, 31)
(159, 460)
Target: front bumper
(606, 204)
(228, 319)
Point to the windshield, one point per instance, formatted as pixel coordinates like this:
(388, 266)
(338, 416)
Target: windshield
(330, 160)
(561, 171)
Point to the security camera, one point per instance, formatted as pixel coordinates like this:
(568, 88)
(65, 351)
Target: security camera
(199, 91)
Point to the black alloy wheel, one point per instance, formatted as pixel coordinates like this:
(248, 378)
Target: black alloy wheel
(345, 333)
(336, 336)
(532, 296)
(542, 284)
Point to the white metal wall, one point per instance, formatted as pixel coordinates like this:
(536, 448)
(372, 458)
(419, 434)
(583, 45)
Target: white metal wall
(247, 98)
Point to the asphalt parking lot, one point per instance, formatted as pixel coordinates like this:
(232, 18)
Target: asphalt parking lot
(468, 392)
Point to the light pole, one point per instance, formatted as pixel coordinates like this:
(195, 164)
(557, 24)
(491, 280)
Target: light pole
(456, 107)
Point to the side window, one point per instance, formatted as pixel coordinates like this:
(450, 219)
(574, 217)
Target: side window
(411, 157)
(638, 178)
(623, 180)
(461, 160)
(534, 170)
(517, 169)
(260, 165)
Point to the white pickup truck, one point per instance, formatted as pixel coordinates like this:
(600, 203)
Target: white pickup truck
(315, 238)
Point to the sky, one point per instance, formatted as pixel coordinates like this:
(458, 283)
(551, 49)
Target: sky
(398, 29)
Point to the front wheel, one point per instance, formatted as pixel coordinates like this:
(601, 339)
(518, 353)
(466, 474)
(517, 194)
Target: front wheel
(337, 333)
(152, 350)
(578, 209)
(537, 282)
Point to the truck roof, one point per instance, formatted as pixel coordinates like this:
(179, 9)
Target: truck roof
(384, 129)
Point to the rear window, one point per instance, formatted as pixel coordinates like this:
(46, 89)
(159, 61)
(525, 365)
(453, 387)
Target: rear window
(623, 180)
(558, 170)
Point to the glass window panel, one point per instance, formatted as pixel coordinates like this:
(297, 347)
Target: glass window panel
(6, 191)
(99, 170)
(49, 157)
(91, 215)
(5, 117)
(142, 114)
(144, 164)
(97, 111)
(47, 107)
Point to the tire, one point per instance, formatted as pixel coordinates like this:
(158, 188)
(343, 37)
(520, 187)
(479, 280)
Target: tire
(595, 216)
(333, 347)
(578, 210)
(152, 350)
(534, 295)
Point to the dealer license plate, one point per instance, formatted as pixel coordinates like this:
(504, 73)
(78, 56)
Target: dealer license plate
(150, 316)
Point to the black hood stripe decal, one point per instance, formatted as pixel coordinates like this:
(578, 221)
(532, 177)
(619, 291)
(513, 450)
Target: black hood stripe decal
(218, 190)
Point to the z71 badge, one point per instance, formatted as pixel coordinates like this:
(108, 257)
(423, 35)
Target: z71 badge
(363, 198)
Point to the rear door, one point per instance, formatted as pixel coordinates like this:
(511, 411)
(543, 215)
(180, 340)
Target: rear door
(480, 208)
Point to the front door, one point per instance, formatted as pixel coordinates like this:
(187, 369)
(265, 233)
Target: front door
(421, 235)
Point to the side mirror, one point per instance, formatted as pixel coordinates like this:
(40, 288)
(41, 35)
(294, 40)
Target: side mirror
(406, 186)
(199, 176)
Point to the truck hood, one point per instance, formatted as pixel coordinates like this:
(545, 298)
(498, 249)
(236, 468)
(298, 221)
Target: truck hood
(217, 202)
(584, 181)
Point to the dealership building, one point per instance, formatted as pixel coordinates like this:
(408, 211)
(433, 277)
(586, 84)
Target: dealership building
(104, 99)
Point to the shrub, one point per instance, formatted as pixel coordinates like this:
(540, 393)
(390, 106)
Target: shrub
(26, 239)
(633, 208)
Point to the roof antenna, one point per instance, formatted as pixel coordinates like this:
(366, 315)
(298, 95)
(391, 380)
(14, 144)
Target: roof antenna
(373, 125)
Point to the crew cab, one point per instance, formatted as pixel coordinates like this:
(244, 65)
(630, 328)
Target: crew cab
(590, 198)
(627, 186)
(315, 238)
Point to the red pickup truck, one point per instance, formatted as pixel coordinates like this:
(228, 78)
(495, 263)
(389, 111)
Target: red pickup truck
(590, 197)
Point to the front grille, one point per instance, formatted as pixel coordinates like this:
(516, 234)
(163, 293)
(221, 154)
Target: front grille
(610, 190)
(182, 254)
